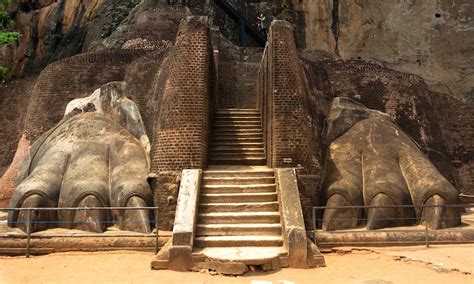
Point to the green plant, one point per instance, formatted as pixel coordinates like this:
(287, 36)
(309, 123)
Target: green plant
(3, 71)
(6, 35)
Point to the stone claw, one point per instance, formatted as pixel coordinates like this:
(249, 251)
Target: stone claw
(339, 219)
(439, 216)
(136, 220)
(90, 220)
(37, 217)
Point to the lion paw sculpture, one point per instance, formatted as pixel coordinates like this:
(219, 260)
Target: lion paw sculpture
(370, 161)
(98, 157)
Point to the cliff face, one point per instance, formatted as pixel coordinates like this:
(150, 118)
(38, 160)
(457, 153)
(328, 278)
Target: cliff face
(432, 39)
(53, 30)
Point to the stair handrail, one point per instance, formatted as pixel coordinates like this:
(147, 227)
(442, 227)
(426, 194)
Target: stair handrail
(243, 13)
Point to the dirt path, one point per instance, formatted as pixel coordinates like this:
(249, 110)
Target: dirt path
(345, 266)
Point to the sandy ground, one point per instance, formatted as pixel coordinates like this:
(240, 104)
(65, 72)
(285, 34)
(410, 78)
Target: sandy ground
(441, 264)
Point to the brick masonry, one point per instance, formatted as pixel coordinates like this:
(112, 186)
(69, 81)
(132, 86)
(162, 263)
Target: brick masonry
(238, 69)
(181, 130)
(71, 78)
(180, 127)
(288, 126)
(14, 99)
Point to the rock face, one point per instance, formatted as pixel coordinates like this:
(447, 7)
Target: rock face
(432, 39)
(53, 30)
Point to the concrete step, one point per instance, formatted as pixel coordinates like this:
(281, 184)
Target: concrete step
(252, 188)
(238, 111)
(235, 131)
(239, 207)
(238, 161)
(237, 114)
(238, 241)
(237, 150)
(238, 217)
(243, 125)
(237, 134)
(236, 118)
(237, 180)
(238, 230)
(237, 144)
(238, 197)
(256, 139)
(249, 173)
(216, 155)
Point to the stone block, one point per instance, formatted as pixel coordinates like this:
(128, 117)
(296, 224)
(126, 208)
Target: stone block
(292, 215)
(186, 211)
(180, 258)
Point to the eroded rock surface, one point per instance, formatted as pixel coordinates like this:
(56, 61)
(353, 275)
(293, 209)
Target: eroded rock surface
(53, 30)
(432, 39)
(370, 161)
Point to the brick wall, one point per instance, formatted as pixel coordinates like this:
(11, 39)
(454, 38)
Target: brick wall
(14, 98)
(180, 125)
(71, 78)
(165, 196)
(291, 137)
(181, 131)
(145, 79)
(283, 97)
(238, 69)
(457, 123)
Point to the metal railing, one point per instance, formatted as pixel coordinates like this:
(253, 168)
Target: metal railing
(247, 18)
(413, 223)
(29, 223)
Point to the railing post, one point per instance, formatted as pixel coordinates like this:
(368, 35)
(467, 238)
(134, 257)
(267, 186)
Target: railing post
(242, 32)
(156, 231)
(427, 241)
(28, 232)
(314, 219)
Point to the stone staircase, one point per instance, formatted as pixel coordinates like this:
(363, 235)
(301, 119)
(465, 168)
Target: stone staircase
(237, 138)
(232, 217)
(238, 208)
(239, 218)
(238, 213)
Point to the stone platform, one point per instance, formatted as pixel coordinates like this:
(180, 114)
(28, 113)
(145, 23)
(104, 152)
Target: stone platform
(399, 236)
(13, 241)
